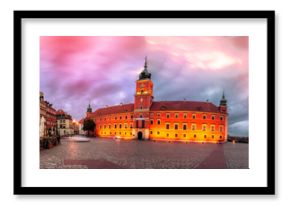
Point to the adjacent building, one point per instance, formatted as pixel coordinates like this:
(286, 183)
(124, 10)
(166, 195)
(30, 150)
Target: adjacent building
(65, 125)
(47, 119)
(161, 120)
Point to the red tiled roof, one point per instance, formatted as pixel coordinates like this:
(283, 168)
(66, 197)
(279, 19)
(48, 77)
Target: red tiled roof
(115, 109)
(161, 106)
(184, 105)
(60, 112)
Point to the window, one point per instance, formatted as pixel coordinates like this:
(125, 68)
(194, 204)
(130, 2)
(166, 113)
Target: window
(131, 125)
(158, 114)
(221, 128)
(141, 107)
(176, 126)
(193, 127)
(151, 132)
(151, 114)
(203, 127)
(220, 137)
(193, 116)
(194, 136)
(221, 117)
(167, 134)
(212, 128)
(167, 126)
(212, 117)
(125, 133)
(120, 117)
(119, 132)
(167, 115)
(104, 126)
(110, 127)
(204, 136)
(120, 126)
(158, 122)
(212, 136)
(141, 116)
(184, 135)
(131, 116)
(204, 117)
(184, 126)
(185, 116)
(176, 115)
(100, 126)
(151, 122)
(115, 127)
(125, 125)
(115, 118)
(126, 117)
(158, 132)
(176, 135)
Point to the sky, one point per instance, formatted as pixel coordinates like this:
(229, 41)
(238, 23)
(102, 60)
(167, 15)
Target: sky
(102, 70)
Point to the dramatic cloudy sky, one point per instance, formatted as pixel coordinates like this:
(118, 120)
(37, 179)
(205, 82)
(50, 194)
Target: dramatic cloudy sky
(102, 70)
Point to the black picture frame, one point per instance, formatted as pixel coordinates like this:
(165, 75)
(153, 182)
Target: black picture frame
(268, 190)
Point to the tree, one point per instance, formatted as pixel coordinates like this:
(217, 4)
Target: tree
(89, 125)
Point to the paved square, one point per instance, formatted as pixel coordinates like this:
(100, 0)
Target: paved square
(101, 153)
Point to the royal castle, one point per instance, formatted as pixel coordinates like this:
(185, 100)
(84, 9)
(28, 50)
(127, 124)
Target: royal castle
(161, 120)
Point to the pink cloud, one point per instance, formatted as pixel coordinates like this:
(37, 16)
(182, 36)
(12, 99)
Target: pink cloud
(77, 69)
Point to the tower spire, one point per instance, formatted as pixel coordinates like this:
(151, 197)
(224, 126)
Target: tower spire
(145, 74)
(223, 100)
(145, 64)
(89, 109)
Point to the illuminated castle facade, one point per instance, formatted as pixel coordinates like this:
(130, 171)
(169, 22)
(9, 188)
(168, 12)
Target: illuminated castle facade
(161, 120)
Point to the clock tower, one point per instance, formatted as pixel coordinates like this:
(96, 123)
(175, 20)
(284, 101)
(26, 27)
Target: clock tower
(142, 103)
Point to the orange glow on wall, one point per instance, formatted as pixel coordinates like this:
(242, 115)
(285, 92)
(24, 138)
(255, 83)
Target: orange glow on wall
(185, 121)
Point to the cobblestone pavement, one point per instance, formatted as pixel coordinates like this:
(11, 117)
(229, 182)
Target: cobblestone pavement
(101, 153)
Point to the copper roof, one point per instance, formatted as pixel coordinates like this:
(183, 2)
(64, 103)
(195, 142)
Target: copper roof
(184, 105)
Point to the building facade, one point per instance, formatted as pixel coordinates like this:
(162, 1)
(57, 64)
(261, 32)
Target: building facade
(65, 124)
(161, 120)
(47, 119)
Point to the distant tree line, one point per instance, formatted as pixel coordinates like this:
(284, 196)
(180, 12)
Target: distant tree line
(239, 139)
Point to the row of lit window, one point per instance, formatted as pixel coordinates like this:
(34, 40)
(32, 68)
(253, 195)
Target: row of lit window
(193, 116)
(120, 117)
(116, 126)
(167, 116)
(193, 126)
(184, 135)
(116, 133)
(167, 126)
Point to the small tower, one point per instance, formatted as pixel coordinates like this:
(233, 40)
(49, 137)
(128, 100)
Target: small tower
(223, 104)
(224, 114)
(89, 110)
